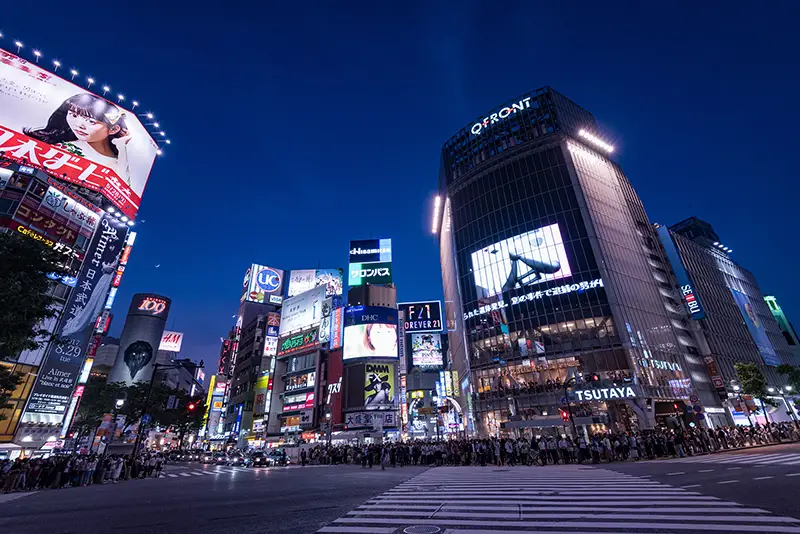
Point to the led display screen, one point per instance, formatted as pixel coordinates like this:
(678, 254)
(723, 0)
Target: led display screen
(370, 332)
(379, 386)
(422, 316)
(523, 260)
(426, 351)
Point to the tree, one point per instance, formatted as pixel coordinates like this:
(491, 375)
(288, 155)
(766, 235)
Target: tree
(753, 382)
(9, 381)
(24, 302)
(98, 399)
(792, 374)
(186, 417)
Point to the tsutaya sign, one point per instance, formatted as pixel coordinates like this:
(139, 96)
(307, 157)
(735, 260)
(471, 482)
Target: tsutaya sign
(503, 113)
(535, 295)
(606, 393)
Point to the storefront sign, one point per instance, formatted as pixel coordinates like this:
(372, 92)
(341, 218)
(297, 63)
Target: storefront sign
(626, 392)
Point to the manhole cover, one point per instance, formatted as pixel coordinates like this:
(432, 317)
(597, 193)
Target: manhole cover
(422, 529)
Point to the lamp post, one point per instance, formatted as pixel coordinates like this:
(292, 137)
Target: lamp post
(569, 408)
(737, 389)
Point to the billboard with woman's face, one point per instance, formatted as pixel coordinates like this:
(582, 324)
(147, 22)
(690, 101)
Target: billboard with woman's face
(370, 332)
(73, 134)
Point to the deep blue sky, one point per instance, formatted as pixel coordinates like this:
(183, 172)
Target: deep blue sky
(296, 127)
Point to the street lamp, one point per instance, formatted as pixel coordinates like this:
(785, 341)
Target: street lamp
(783, 391)
(737, 389)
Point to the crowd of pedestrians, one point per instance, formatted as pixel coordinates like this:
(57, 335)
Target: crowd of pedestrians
(554, 449)
(76, 470)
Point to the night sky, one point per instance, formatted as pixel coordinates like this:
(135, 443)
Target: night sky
(296, 128)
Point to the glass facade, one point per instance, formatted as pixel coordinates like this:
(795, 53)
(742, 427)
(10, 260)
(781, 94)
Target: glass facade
(547, 274)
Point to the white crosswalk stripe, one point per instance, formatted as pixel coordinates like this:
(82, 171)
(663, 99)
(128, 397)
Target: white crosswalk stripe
(562, 499)
(740, 459)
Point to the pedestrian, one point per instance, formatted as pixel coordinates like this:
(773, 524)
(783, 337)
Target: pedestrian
(384, 458)
(303, 457)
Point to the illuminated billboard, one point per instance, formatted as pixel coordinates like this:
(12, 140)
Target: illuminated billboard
(303, 280)
(426, 351)
(379, 386)
(523, 260)
(72, 134)
(369, 273)
(370, 332)
(301, 342)
(756, 328)
(263, 285)
(422, 316)
(371, 251)
(171, 341)
(303, 310)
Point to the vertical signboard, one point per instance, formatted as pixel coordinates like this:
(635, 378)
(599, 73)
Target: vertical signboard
(688, 293)
(62, 364)
(370, 262)
(337, 325)
(325, 322)
(271, 336)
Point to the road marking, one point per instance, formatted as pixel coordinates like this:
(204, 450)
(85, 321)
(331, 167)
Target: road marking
(763, 478)
(733, 468)
(172, 476)
(195, 473)
(185, 475)
(677, 473)
(705, 470)
(692, 486)
(793, 475)
(727, 482)
(5, 497)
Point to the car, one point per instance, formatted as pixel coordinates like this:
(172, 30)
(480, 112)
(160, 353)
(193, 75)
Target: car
(220, 458)
(278, 457)
(207, 457)
(236, 459)
(258, 459)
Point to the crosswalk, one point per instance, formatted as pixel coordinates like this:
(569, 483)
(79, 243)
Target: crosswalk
(763, 459)
(559, 499)
(220, 469)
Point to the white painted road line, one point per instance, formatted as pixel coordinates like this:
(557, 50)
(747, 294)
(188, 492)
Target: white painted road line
(705, 470)
(691, 486)
(185, 475)
(793, 475)
(727, 482)
(733, 468)
(763, 478)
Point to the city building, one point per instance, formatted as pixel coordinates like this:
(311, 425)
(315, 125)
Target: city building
(732, 320)
(557, 307)
(57, 189)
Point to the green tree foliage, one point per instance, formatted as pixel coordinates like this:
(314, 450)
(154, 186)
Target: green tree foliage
(792, 374)
(98, 399)
(9, 381)
(24, 302)
(753, 381)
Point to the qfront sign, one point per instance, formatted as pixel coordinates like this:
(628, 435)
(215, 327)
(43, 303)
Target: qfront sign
(502, 113)
(625, 392)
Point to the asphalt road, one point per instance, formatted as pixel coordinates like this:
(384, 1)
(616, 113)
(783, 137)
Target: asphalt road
(224, 500)
(764, 477)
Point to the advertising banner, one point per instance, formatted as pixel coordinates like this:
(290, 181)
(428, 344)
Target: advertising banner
(426, 351)
(333, 400)
(422, 316)
(523, 260)
(325, 322)
(171, 341)
(756, 328)
(304, 280)
(140, 339)
(370, 273)
(62, 364)
(337, 333)
(371, 251)
(263, 285)
(688, 293)
(72, 134)
(260, 396)
(302, 311)
(370, 332)
(379, 389)
(272, 334)
(301, 342)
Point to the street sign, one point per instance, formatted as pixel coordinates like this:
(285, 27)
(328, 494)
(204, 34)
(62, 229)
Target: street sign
(146, 418)
(694, 399)
(697, 408)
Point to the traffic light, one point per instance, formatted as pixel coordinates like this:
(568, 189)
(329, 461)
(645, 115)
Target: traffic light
(564, 416)
(191, 407)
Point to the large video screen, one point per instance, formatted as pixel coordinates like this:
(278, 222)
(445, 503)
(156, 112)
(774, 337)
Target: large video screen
(370, 332)
(426, 351)
(379, 386)
(303, 280)
(523, 260)
(72, 134)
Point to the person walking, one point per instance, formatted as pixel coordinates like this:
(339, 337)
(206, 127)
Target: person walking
(384, 458)
(303, 458)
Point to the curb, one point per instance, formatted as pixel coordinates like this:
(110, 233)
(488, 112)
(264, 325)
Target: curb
(722, 451)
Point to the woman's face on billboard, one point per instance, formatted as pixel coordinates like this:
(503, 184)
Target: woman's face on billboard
(86, 128)
(384, 339)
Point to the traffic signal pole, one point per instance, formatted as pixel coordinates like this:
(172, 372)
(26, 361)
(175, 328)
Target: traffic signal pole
(569, 408)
